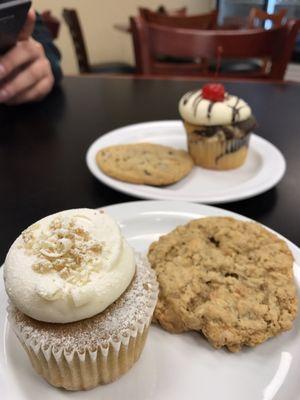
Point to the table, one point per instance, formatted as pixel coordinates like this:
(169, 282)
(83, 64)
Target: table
(43, 146)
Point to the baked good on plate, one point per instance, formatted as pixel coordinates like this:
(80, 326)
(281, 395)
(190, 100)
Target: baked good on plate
(144, 163)
(81, 299)
(218, 127)
(229, 279)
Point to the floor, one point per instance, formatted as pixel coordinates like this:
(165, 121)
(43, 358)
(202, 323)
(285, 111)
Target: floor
(293, 72)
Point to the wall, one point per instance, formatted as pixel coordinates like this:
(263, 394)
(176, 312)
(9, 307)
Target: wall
(97, 17)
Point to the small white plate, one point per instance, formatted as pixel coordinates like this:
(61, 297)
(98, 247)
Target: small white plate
(172, 367)
(263, 169)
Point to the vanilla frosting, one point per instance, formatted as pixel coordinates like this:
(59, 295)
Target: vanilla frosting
(198, 111)
(68, 266)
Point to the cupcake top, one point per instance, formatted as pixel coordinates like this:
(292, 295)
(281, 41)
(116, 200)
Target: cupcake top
(118, 323)
(211, 105)
(68, 266)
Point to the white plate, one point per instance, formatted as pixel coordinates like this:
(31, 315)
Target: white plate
(172, 367)
(263, 169)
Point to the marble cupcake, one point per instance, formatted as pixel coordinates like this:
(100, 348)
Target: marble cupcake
(218, 127)
(81, 301)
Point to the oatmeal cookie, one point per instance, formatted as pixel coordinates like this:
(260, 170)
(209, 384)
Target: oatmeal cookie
(145, 163)
(229, 279)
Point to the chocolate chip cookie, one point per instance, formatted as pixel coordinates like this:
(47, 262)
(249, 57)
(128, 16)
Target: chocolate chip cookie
(145, 163)
(229, 279)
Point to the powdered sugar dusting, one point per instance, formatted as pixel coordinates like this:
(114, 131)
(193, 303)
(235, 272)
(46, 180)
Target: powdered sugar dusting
(117, 323)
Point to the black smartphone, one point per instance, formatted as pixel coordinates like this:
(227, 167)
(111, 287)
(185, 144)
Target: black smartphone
(12, 19)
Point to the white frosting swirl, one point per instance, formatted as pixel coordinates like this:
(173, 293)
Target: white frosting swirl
(68, 266)
(198, 111)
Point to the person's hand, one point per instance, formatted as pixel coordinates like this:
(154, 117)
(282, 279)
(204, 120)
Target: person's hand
(25, 71)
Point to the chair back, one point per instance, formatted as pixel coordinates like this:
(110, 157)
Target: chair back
(199, 21)
(51, 22)
(72, 20)
(152, 41)
(162, 10)
(257, 17)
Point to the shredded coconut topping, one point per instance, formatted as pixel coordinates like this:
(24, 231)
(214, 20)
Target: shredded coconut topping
(65, 248)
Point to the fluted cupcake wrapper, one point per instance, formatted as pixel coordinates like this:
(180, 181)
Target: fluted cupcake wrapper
(217, 154)
(83, 369)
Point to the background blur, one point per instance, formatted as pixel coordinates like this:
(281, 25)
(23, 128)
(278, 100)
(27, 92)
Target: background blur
(97, 18)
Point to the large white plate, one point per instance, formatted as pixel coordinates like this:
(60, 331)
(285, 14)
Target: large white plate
(264, 167)
(172, 367)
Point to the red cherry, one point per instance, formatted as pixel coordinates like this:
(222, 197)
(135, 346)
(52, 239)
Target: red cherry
(213, 92)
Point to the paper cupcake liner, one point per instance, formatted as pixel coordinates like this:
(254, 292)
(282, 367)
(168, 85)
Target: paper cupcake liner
(217, 154)
(83, 369)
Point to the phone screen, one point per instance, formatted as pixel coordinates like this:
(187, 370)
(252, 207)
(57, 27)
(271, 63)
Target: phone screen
(12, 18)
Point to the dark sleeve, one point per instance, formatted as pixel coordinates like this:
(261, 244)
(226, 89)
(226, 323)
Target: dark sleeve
(42, 35)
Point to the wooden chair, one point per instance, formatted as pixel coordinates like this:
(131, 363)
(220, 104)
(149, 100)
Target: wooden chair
(72, 20)
(162, 10)
(232, 22)
(151, 41)
(52, 23)
(200, 21)
(257, 17)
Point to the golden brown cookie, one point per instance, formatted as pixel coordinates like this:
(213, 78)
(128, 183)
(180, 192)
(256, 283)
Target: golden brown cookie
(145, 163)
(229, 279)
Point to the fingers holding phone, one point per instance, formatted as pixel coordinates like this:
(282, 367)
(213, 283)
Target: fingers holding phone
(25, 72)
(28, 27)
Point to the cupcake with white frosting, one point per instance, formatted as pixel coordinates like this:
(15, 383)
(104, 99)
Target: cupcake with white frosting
(81, 299)
(218, 127)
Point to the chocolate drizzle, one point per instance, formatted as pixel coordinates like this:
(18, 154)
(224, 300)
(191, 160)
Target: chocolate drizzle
(187, 96)
(196, 103)
(208, 132)
(197, 100)
(236, 110)
(236, 130)
(209, 109)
